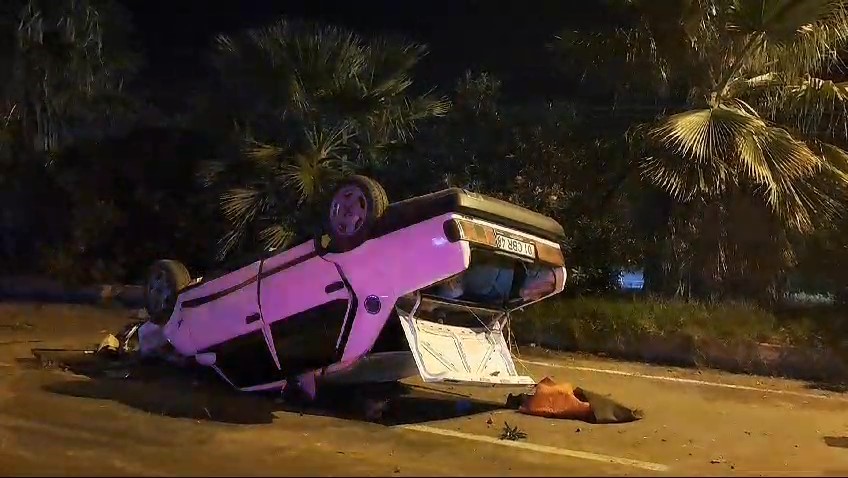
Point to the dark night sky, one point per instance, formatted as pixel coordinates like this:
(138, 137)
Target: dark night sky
(504, 37)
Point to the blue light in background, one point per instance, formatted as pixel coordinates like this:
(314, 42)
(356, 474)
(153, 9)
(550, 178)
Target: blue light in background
(631, 280)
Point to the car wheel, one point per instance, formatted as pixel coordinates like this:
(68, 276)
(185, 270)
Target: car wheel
(355, 208)
(164, 281)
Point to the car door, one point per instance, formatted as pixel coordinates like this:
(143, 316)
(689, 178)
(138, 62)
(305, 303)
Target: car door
(223, 317)
(307, 307)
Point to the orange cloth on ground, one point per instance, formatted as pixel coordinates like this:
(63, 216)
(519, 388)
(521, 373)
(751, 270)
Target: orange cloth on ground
(554, 400)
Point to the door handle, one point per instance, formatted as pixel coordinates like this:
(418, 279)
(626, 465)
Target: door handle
(252, 318)
(334, 287)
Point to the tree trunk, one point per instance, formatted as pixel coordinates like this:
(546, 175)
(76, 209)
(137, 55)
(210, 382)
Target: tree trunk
(654, 221)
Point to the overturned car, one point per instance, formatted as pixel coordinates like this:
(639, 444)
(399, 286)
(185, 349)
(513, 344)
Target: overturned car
(422, 286)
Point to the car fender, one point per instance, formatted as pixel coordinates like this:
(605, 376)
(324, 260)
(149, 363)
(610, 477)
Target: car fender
(389, 267)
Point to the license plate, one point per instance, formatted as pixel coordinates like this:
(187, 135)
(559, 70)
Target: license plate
(515, 246)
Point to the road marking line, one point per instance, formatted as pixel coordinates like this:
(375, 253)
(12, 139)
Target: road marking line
(645, 465)
(685, 380)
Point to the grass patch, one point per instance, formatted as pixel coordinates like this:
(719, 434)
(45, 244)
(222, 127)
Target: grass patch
(597, 324)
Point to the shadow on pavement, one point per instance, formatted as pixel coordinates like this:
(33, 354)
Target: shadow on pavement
(197, 393)
(399, 404)
(836, 442)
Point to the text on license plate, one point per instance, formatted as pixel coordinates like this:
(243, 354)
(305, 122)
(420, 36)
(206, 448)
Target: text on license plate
(516, 247)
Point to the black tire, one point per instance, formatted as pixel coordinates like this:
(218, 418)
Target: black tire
(165, 278)
(376, 203)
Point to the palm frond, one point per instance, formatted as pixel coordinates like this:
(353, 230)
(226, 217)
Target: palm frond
(276, 236)
(262, 153)
(241, 205)
(398, 122)
(747, 85)
(816, 105)
(703, 152)
(319, 163)
(703, 135)
(835, 160)
(779, 19)
(818, 45)
(388, 65)
(309, 175)
(806, 38)
(228, 242)
(327, 142)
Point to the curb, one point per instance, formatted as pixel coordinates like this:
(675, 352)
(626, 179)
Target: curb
(47, 290)
(817, 365)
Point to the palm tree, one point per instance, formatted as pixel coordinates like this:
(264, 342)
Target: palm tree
(747, 124)
(309, 103)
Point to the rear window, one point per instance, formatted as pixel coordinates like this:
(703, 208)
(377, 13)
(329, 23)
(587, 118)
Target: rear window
(497, 280)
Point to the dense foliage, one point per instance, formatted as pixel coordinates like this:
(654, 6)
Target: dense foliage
(716, 163)
(745, 135)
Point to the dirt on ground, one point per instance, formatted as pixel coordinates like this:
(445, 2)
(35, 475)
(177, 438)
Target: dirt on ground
(68, 413)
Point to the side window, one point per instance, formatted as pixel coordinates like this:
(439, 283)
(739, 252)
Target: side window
(307, 340)
(246, 361)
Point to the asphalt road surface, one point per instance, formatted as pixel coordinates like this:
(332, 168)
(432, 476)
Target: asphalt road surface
(164, 422)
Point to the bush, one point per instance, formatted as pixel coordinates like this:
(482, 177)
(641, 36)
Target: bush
(126, 202)
(595, 324)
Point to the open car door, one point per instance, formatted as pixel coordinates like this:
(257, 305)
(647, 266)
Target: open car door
(464, 354)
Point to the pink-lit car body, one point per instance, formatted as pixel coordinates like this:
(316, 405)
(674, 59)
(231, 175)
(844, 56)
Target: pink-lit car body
(311, 314)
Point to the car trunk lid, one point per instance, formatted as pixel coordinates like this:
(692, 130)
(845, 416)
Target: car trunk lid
(465, 354)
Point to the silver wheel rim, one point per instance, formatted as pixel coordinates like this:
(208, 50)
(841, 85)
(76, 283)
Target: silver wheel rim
(348, 211)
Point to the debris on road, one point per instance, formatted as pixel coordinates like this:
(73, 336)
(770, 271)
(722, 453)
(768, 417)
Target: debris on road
(139, 339)
(109, 345)
(512, 433)
(17, 326)
(151, 339)
(552, 400)
(122, 374)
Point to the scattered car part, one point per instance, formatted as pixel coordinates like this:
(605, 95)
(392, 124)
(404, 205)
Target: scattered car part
(553, 400)
(151, 339)
(110, 345)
